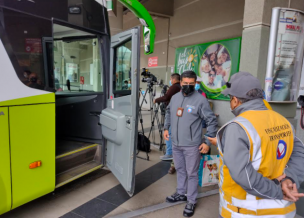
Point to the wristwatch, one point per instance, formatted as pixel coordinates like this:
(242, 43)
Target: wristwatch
(287, 177)
(276, 181)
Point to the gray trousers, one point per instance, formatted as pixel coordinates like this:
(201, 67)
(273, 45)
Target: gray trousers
(186, 161)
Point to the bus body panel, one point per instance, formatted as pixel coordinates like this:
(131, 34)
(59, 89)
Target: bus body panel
(32, 138)
(36, 99)
(5, 169)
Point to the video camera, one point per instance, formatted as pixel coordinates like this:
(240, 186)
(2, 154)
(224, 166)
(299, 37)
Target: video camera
(148, 77)
(301, 100)
(165, 88)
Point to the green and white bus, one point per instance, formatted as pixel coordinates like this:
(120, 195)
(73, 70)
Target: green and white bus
(64, 108)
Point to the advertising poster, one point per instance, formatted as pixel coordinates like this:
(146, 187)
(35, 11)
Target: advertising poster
(213, 62)
(283, 85)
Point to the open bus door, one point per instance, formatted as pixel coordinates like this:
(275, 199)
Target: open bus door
(120, 119)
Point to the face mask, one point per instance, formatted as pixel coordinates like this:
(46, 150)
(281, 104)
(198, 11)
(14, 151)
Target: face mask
(129, 85)
(33, 80)
(170, 83)
(187, 89)
(197, 86)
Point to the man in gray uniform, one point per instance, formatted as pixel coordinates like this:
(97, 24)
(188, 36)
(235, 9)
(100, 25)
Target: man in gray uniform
(185, 114)
(246, 97)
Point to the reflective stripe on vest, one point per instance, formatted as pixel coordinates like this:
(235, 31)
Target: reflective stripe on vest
(271, 144)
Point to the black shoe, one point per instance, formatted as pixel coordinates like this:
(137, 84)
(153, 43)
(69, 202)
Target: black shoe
(176, 198)
(189, 210)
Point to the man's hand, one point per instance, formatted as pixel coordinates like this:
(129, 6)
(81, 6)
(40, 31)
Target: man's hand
(280, 178)
(166, 135)
(213, 141)
(154, 101)
(204, 148)
(290, 191)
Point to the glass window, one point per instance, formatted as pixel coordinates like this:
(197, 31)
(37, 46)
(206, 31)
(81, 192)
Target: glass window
(22, 36)
(122, 66)
(77, 61)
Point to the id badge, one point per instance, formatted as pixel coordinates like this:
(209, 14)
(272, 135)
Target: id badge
(179, 112)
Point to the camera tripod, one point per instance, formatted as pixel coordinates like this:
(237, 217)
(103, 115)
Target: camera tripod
(160, 124)
(159, 121)
(151, 97)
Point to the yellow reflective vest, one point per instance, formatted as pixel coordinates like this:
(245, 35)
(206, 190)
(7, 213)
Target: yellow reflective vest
(271, 145)
(267, 104)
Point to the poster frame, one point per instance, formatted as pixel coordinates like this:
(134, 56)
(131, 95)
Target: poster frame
(274, 29)
(218, 95)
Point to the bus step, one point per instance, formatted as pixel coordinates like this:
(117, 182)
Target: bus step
(74, 164)
(76, 173)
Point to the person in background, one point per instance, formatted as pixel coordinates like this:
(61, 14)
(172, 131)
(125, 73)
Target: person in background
(174, 88)
(26, 75)
(198, 87)
(184, 116)
(125, 86)
(129, 84)
(33, 79)
(261, 158)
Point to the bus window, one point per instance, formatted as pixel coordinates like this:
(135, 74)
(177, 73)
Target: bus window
(122, 66)
(22, 37)
(77, 60)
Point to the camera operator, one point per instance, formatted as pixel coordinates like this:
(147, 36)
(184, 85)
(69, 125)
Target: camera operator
(174, 88)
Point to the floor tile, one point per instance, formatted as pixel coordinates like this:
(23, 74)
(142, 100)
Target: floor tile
(117, 211)
(72, 215)
(94, 209)
(100, 185)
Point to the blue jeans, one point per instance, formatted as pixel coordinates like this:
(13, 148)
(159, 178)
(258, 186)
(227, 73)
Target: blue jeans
(169, 144)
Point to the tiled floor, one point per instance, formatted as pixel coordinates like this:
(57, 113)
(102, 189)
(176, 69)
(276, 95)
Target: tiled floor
(206, 208)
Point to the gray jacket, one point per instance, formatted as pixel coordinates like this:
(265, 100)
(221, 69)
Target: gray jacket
(187, 130)
(235, 147)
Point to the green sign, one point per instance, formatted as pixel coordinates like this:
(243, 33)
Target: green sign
(214, 63)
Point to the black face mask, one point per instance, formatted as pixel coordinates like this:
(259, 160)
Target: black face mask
(187, 89)
(33, 80)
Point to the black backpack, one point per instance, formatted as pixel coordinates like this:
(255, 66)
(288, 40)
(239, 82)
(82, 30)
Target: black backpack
(143, 143)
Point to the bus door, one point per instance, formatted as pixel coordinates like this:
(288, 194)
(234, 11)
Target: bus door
(119, 120)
